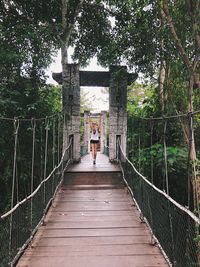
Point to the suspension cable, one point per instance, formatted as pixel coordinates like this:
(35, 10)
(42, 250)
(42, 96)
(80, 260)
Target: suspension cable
(45, 155)
(165, 158)
(151, 125)
(139, 153)
(33, 123)
(143, 118)
(30, 119)
(131, 137)
(16, 128)
(53, 151)
(58, 141)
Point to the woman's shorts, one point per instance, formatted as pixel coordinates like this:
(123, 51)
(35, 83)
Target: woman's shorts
(94, 141)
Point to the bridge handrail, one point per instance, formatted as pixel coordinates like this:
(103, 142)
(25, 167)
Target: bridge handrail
(174, 227)
(19, 224)
(191, 214)
(37, 189)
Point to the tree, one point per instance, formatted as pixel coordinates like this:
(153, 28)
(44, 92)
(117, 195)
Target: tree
(189, 51)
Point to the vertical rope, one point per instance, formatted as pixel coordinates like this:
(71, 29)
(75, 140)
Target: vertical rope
(16, 128)
(64, 141)
(151, 125)
(58, 142)
(41, 153)
(139, 153)
(165, 158)
(188, 166)
(45, 158)
(53, 158)
(33, 122)
(167, 190)
(132, 139)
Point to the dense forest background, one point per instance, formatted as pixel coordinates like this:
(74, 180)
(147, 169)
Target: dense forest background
(159, 40)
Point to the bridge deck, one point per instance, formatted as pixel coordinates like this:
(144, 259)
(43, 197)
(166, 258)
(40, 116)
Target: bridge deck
(92, 227)
(102, 164)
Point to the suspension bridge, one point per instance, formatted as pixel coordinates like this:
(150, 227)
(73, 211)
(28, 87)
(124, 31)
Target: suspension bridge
(120, 212)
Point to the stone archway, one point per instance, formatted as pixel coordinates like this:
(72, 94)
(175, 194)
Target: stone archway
(117, 79)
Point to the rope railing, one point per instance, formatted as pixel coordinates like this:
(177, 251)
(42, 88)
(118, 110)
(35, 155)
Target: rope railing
(38, 165)
(24, 222)
(164, 151)
(174, 227)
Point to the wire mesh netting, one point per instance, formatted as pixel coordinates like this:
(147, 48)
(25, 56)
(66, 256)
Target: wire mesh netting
(175, 229)
(160, 150)
(35, 181)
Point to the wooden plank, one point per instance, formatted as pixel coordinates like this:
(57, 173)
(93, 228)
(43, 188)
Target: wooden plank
(123, 205)
(133, 231)
(95, 261)
(65, 224)
(91, 213)
(102, 165)
(90, 193)
(97, 250)
(91, 241)
(63, 217)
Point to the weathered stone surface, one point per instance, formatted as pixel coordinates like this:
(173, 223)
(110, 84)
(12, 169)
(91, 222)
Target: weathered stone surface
(86, 138)
(117, 79)
(117, 109)
(95, 78)
(71, 107)
(103, 129)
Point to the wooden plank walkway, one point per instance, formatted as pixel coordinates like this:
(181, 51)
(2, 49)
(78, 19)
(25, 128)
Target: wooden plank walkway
(102, 164)
(92, 226)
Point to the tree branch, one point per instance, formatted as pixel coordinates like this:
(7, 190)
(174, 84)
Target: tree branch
(68, 27)
(102, 7)
(193, 7)
(181, 49)
(165, 13)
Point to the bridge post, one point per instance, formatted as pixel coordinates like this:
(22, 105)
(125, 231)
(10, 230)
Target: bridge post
(103, 129)
(87, 130)
(71, 108)
(117, 109)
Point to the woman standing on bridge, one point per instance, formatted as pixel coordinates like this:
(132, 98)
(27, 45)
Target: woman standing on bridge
(94, 139)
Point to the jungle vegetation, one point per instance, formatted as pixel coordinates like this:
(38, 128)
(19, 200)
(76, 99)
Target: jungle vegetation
(159, 40)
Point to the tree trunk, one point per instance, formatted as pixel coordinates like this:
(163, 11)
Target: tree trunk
(67, 28)
(191, 69)
(161, 84)
(191, 130)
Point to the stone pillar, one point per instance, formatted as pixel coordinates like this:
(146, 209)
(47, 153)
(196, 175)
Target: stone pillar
(117, 109)
(103, 130)
(87, 130)
(71, 107)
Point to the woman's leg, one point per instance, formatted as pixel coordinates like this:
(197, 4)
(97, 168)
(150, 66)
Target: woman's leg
(93, 151)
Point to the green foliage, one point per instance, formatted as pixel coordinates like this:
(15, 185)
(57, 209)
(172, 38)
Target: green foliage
(22, 102)
(139, 100)
(177, 158)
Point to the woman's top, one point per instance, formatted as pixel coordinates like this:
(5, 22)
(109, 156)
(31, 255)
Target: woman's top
(94, 135)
